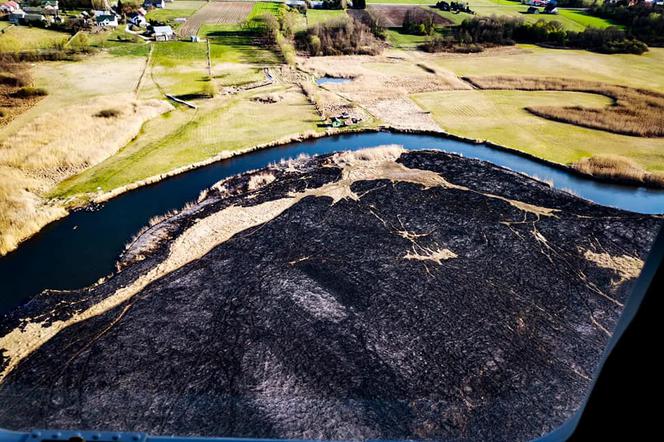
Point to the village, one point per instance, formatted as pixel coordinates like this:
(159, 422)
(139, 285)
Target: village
(47, 14)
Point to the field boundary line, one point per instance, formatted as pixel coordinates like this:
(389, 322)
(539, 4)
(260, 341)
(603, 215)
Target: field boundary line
(148, 59)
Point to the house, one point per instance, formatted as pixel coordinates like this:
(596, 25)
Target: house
(137, 19)
(163, 33)
(17, 17)
(37, 19)
(154, 4)
(9, 7)
(106, 20)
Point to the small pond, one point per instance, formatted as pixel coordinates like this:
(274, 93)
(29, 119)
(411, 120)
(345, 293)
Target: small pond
(332, 80)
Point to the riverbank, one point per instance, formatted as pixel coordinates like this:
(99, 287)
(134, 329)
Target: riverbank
(91, 201)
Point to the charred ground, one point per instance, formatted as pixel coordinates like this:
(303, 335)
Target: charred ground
(475, 310)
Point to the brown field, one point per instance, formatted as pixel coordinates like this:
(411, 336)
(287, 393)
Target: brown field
(392, 16)
(217, 13)
(636, 112)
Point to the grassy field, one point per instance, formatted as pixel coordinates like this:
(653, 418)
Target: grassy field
(315, 16)
(24, 38)
(187, 136)
(404, 41)
(230, 45)
(500, 117)
(572, 19)
(630, 70)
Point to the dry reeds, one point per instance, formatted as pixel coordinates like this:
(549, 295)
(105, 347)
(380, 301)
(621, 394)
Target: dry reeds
(53, 147)
(617, 168)
(636, 112)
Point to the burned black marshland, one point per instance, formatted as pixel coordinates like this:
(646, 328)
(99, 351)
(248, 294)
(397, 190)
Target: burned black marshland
(374, 294)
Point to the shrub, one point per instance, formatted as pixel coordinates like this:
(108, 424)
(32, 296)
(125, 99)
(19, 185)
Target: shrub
(417, 21)
(339, 37)
(29, 91)
(508, 30)
(286, 48)
(13, 79)
(108, 113)
(210, 89)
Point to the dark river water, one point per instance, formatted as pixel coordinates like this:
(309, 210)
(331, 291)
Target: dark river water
(82, 247)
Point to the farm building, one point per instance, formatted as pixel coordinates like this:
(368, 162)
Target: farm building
(106, 20)
(9, 7)
(137, 19)
(163, 33)
(16, 17)
(154, 4)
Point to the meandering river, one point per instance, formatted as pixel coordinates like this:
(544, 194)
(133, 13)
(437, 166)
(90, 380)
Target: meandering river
(84, 246)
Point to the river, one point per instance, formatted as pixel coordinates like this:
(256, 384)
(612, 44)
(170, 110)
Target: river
(79, 249)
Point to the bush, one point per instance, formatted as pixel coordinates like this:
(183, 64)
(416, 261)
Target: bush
(417, 21)
(28, 92)
(643, 22)
(12, 79)
(286, 48)
(339, 37)
(108, 113)
(508, 30)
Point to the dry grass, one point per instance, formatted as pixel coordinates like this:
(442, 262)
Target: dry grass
(382, 84)
(619, 168)
(259, 180)
(53, 147)
(636, 112)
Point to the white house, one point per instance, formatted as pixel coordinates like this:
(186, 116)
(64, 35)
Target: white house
(106, 20)
(163, 33)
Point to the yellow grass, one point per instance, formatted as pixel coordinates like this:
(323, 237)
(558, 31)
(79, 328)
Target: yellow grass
(53, 147)
(617, 167)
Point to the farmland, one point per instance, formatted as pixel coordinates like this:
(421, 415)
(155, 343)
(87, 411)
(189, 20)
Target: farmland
(217, 13)
(315, 16)
(21, 38)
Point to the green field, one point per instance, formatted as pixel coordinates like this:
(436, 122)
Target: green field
(188, 136)
(315, 16)
(24, 38)
(169, 14)
(631, 70)
(499, 116)
(404, 41)
(572, 19)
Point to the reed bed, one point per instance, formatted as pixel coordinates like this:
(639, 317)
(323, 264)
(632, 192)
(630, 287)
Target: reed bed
(635, 112)
(54, 147)
(617, 168)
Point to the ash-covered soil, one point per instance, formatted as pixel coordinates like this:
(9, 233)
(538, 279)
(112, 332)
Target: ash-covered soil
(368, 295)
